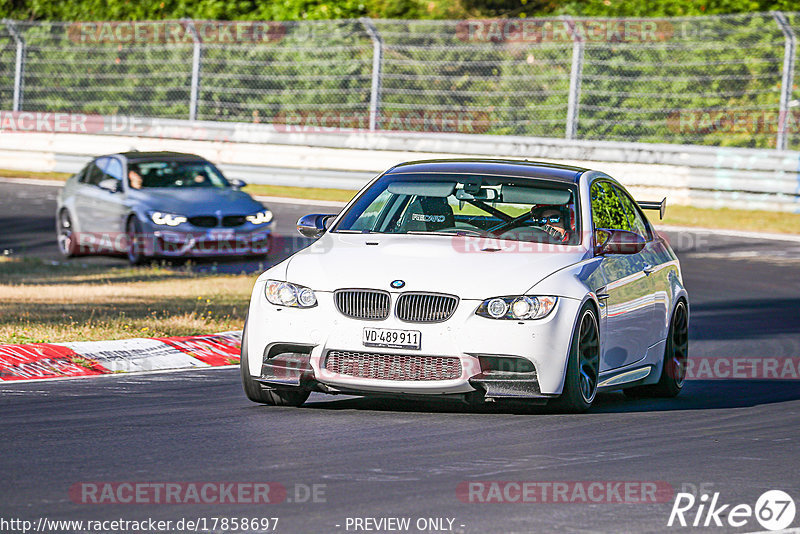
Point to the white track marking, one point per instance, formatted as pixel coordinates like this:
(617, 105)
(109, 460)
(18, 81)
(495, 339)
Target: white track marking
(116, 375)
(32, 181)
(300, 201)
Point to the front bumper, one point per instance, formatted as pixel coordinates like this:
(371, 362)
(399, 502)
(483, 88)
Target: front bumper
(207, 243)
(289, 347)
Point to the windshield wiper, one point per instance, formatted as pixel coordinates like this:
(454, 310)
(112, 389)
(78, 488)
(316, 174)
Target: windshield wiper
(423, 232)
(460, 233)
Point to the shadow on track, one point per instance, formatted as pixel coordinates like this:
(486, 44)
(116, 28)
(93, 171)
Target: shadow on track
(753, 319)
(697, 395)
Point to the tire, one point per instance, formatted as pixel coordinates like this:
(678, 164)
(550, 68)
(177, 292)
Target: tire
(136, 255)
(67, 245)
(676, 354)
(258, 394)
(580, 382)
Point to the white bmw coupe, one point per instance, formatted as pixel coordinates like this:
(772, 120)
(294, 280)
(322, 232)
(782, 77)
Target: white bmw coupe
(476, 279)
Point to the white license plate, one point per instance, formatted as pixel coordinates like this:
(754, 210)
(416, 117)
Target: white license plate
(395, 339)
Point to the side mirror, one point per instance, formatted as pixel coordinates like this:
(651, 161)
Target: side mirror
(314, 225)
(617, 242)
(237, 184)
(110, 184)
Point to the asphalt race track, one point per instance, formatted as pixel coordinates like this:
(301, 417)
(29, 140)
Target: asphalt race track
(387, 458)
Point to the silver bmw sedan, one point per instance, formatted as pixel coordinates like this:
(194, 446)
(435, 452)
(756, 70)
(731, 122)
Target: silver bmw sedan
(159, 205)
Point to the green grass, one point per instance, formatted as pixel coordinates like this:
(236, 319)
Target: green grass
(310, 193)
(10, 173)
(56, 302)
(731, 219)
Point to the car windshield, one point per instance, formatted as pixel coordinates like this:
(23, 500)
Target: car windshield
(175, 174)
(519, 209)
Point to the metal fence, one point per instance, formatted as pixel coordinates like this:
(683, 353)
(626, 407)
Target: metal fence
(721, 80)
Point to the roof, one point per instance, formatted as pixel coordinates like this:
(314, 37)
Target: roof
(135, 156)
(502, 167)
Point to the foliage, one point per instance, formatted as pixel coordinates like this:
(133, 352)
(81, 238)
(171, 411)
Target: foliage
(404, 9)
(669, 8)
(680, 86)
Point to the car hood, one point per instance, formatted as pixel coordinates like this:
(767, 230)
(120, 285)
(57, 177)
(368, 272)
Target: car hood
(196, 201)
(471, 268)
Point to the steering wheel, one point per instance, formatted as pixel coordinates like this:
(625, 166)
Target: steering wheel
(533, 232)
(509, 225)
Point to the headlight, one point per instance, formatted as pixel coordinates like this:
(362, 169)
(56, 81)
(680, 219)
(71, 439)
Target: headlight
(167, 219)
(517, 308)
(288, 294)
(262, 217)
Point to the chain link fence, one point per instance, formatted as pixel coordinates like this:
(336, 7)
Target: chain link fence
(717, 80)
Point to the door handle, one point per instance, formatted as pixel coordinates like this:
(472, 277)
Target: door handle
(648, 269)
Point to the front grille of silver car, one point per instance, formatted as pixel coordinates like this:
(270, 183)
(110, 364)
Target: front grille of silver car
(233, 220)
(392, 366)
(204, 221)
(425, 307)
(368, 304)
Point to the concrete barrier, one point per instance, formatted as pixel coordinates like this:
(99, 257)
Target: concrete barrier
(267, 154)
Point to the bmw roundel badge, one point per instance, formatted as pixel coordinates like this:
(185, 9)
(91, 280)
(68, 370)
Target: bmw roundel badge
(397, 284)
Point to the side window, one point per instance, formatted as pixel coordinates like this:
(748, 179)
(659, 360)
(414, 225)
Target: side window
(93, 174)
(103, 169)
(607, 211)
(113, 169)
(635, 217)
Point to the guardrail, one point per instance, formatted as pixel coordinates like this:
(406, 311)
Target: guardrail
(269, 154)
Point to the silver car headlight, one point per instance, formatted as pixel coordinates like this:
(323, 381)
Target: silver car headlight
(262, 217)
(167, 219)
(288, 294)
(519, 308)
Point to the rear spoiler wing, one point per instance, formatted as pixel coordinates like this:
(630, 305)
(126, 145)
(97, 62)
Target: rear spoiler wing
(654, 205)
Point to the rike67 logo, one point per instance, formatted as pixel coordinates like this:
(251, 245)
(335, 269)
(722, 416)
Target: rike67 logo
(774, 510)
